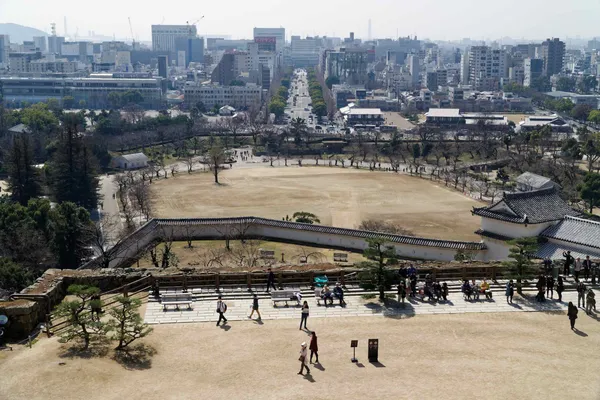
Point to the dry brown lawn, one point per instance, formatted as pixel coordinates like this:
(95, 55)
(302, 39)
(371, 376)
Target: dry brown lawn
(204, 251)
(340, 197)
(490, 356)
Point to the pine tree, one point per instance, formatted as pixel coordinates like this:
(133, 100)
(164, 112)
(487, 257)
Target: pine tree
(23, 181)
(73, 169)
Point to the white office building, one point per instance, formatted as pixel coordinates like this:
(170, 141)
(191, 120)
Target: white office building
(414, 68)
(304, 52)
(239, 97)
(487, 67)
(4, 50)
(265, 34)
(164, 36)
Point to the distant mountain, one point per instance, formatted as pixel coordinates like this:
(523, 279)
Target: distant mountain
(19, 33)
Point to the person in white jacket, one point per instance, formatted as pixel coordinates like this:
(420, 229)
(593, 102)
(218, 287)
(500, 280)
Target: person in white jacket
(302, 359)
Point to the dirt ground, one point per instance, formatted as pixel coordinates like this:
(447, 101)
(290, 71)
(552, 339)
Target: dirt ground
(397, 120)
(203, 251)
(340, 197)
(491, 356)
(516, 118)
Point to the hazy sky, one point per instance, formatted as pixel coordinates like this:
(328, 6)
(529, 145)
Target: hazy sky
(435, 19)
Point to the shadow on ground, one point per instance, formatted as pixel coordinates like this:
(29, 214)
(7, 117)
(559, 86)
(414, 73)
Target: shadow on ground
(138, 357)
(547, 307)
(97, 349)
(391, 308)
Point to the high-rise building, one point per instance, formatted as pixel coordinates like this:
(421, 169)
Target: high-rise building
(163, 62)
(267, 37)
(55, 43)
(533, 69)
(40, 43)
(553, 54)
(164, 36)
(193, 48)
(414, 68)
(305, 52)
(4, 49)
(487, 67)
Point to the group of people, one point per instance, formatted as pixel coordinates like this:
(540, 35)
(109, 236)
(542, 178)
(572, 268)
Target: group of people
(581, 268)
(243, 154)
(432, 289)
(474, 290)
(314, 351)
(327, 295)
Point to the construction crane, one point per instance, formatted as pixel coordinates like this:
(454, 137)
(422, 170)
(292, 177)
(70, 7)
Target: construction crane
(132, 36)
(193, 24)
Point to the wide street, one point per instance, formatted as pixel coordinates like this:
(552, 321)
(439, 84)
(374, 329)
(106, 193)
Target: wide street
(299, 90)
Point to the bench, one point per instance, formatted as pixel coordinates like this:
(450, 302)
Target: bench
(319, 298)
(340, 257)
(283, 295)
(175, 299)
(267, 254)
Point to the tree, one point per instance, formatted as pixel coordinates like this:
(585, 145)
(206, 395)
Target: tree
(374, 225)
(127, 325)
(320, 109)
(416, 152)
(591, 148)
(71, 225)
(298, 129)
(277, 107)
(73, 169)
(581, 112)
(541, 84)
(566, 84)
(594, 117)
(13, 277)
(81, 324)
(23, 177)
(589, 190)
(214, 158)
(376, 276)
(306, 217)
(521, 252)
(588, 84)
(68, 102)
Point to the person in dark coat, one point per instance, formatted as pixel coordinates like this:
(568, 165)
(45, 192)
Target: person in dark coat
(445, 291)
(314, 348)
(568, 261)
(510, 291)
(572, 314)
(270, 280)
(402, 290)
(560, 287)
(413, 285)
(587, 267)
(581, 294)
(547, 266)
(550, 286)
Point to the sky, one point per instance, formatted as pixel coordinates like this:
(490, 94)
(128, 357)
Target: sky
(433, 19)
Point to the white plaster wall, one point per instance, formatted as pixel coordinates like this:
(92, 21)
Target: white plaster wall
(513, 230)
(497, 250)
(182, 232)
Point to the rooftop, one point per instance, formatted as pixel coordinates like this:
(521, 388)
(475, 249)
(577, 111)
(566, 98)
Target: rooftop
(533, 207)
(365, 111)
(135, 157)
(443, 112)
(574, 230)
(532, 180)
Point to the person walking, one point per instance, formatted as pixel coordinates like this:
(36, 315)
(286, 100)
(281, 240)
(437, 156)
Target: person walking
(302, 359)
(221, 309)
(577, 268)
(255, 307)
(587, 266)
(304, 315)
(560, 287)
(581, 294)
(270, 280)
(314, 348)
(572, 314)
(550, 286)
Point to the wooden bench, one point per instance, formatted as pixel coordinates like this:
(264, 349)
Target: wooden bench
(283, 295)
(267, 254)
(340, 257)
(175, 299)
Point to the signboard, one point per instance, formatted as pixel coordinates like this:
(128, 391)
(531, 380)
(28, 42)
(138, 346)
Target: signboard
(265, 39)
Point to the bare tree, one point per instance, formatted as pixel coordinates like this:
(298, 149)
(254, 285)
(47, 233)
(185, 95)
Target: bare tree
(214, 158)
(189, 162)
(106, 237)
(140, 194)
(174, 168)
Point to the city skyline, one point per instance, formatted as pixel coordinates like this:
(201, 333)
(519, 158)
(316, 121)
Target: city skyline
(460, 19)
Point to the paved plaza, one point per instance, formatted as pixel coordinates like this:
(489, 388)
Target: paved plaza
(239, 309)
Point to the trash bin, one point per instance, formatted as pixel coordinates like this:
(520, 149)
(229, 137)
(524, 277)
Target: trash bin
(373, 350)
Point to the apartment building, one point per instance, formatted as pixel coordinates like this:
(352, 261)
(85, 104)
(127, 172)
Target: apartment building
(304, 52)
(4, 50)
(20, 62)
(533, 68)
(553, 54)
(487, 67)
(50, 65)
(348, 64)
(239, 97)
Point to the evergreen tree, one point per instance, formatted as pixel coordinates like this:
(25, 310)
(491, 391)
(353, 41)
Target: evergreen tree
(23, 180)
(73, 169)
(375, 275)
(71, 225)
